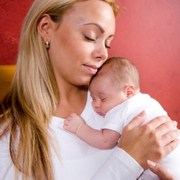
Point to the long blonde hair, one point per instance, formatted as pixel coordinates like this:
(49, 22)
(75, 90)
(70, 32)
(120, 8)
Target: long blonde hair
(26, 110)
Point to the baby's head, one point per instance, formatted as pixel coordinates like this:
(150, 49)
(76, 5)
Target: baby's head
(116, 81)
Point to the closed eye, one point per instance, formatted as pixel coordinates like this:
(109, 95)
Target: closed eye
(108, 42)
(108, 47)
(93, 40)
(103, 99)
(88, 38)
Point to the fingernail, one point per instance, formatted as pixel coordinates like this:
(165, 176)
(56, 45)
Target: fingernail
(151, 163)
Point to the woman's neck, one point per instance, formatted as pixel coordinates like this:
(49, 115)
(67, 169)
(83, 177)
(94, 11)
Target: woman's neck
(72, 100)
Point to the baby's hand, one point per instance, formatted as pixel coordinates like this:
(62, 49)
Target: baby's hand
(73, 123)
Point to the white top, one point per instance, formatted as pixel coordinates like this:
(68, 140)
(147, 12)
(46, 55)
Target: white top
(73, 159)
(122, 114)
(118, 117)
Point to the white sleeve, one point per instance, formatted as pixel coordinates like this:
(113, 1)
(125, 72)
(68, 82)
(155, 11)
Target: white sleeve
(172, 163)
(149, 175)
(115, 118)
(119, 165)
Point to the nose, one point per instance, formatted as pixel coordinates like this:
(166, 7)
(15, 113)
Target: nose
(101, 53)
(96, 104)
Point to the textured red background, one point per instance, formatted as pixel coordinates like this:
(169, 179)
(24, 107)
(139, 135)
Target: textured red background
(148, 33)
(12, 13)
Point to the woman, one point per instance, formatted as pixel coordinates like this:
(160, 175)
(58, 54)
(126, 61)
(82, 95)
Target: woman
(62, 45)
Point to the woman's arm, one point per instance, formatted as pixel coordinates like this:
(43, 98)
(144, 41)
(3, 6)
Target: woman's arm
(139, 143)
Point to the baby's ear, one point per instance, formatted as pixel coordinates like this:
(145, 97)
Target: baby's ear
(44, 27)
(130, 90)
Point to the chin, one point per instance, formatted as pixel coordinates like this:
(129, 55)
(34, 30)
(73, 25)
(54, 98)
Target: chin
(82, 85)
(85, 81)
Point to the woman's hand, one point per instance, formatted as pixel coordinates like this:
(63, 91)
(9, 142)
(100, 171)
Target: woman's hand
(151, 141)
(160, 171)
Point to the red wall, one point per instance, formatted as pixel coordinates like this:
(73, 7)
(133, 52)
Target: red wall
(148, 33)
(11, 17)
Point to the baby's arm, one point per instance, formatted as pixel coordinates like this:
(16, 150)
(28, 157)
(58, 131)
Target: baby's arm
(73, 123)
(102, 139)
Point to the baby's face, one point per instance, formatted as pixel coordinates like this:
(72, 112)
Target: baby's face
(105, 94)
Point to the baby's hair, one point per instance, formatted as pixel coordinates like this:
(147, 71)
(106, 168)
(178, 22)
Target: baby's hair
(122, 71)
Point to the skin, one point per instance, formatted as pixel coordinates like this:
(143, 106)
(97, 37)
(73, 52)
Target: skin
(160, 171)
(159, 139)
(76, 55)
(106, 94)
(78, 47)
(105, 98)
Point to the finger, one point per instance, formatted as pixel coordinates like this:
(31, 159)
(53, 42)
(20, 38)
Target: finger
(161, 172)
(73, 115)
(171, 146)
(68, 118)
(171, 136)
(158, 121)
(136, 121)
(166, 127)
(66, 122)
(65, 126)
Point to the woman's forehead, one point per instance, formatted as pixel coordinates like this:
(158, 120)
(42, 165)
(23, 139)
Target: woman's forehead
(93, 11)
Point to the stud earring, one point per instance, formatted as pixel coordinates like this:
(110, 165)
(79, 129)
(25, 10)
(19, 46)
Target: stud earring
(47, 44)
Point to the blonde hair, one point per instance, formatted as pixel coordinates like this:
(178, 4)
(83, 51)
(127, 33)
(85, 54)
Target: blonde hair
(26, 110)
(122, 72)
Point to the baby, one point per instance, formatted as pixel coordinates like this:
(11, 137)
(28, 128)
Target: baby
(116, 96)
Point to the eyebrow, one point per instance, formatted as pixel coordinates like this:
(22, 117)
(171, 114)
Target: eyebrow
(101, 29)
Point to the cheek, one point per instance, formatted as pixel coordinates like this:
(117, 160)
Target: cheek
(68, 53)
(107, 106)
(110, 103)
(95, 103)
(62, 51)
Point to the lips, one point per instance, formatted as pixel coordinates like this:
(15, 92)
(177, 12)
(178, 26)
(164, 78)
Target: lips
(100, 113)
(91, 69)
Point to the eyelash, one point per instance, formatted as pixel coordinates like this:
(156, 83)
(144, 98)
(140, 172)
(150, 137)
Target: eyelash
(108, 47)
(90, 39)
(103, 99)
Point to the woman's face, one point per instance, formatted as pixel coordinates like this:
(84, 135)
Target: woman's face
(79, 45)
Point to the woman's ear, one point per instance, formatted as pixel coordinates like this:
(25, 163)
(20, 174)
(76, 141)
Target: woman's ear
(44, 27)
(130, 90)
